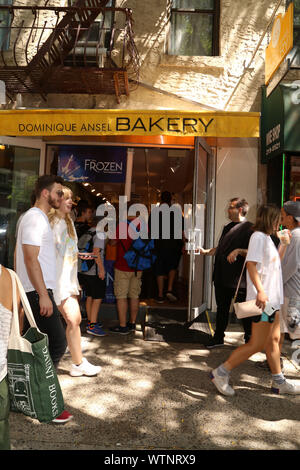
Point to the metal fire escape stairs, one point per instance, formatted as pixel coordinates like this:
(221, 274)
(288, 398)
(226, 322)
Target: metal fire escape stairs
(61, 41)
(49, 63)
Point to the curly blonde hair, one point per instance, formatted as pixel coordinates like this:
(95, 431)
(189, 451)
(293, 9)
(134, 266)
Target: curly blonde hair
(54, 215)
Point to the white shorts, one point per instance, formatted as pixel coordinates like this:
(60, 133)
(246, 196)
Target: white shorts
(290, 319)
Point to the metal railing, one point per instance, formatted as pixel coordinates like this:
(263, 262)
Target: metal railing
(45, 37)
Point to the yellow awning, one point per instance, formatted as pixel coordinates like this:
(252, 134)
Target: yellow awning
(91, 122)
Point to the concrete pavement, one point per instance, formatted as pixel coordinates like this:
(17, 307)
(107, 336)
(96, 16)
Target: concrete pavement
(154, 395)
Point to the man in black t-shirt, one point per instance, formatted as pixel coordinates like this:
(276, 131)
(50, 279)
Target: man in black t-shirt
(229, 260)
(168, 246)
(84, 217)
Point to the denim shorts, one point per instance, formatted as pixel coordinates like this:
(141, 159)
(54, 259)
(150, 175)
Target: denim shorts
(264, 318)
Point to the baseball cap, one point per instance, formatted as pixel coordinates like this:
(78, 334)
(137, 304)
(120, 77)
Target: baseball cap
(292, 208)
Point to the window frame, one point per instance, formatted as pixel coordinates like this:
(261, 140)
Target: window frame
(215, 12)
(5, 45)
(296, 27)
(112, 20)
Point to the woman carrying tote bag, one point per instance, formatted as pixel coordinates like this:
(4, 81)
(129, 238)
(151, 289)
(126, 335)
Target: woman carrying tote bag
(264, 283)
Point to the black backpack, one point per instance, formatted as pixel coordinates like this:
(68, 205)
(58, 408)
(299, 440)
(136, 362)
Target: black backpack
(86, 245)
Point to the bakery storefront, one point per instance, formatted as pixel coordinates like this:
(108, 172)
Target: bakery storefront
(280, 142)
(202, 158)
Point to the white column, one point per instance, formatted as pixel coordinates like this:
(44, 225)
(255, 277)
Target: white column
(129, 165)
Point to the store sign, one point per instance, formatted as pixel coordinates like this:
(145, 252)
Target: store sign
(273, 140)
(280, 121)
(272, 124)
(75, 122)
(281, 42)
(92, 164)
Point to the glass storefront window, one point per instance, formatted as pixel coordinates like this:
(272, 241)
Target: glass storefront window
(295, 178)
(19, 169)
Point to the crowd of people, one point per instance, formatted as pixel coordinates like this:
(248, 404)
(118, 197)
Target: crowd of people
(58, 255)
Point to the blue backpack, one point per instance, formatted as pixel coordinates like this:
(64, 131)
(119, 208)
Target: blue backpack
(140, 255)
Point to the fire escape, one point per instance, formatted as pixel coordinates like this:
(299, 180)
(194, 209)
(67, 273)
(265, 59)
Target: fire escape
(49, 49)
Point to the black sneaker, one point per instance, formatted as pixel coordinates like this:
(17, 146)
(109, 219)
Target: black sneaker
(159, 300)
(130, 326)
(121, 330)
(214, 343)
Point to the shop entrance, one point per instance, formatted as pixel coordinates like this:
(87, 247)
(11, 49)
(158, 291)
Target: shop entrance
(186, 170)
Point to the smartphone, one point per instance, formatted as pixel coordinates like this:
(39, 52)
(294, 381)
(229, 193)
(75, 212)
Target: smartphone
(269, 310)
(88, 254)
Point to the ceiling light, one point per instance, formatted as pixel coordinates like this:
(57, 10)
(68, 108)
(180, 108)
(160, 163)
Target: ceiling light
(93, 190)
(175, 167)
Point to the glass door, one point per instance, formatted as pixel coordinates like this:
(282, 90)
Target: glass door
(21, 162)
(200, 232)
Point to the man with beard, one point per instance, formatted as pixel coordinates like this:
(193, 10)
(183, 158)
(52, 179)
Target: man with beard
(36, 267)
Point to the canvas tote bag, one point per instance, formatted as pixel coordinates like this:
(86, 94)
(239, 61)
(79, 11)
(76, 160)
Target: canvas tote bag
(248, 308)
(33, 384)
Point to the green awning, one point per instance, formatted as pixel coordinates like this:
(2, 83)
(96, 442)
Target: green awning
(280, 121)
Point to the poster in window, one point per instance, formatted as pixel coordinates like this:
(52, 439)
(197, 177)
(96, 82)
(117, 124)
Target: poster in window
(92, 164)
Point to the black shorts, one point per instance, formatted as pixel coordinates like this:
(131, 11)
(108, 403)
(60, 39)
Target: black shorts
(93, 286)
(167, 261)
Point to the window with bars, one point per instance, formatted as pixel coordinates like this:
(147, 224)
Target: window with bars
(194, 28)
(88, 47)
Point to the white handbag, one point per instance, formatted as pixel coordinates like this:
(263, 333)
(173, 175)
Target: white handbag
(248, 308)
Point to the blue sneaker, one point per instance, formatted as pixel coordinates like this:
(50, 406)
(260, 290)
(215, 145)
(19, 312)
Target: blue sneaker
(95, 329)
(99, 323)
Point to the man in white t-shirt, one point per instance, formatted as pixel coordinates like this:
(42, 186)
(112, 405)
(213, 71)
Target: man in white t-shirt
(36, 267)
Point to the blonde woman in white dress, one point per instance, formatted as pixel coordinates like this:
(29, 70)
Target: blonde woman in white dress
(65, 295)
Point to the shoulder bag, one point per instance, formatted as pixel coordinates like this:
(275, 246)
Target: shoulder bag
(248, 308)
(33, 384)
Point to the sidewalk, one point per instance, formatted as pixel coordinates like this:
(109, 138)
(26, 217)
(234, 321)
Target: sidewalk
(153, 395)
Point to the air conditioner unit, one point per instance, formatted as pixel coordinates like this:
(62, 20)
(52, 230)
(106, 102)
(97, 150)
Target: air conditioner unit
(87, 54)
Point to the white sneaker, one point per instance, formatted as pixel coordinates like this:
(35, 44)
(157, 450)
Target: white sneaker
(85, 368)
(171, 297)
(287, 387)
(221, 383)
